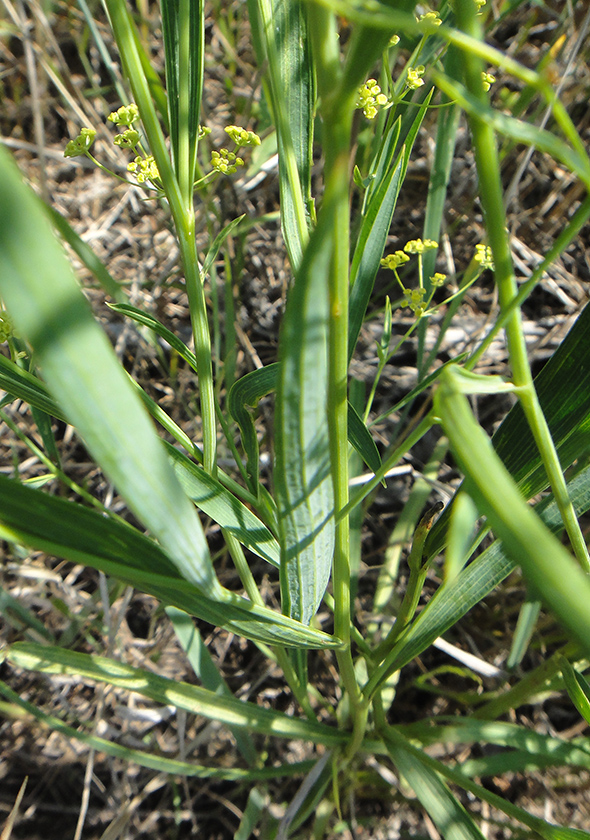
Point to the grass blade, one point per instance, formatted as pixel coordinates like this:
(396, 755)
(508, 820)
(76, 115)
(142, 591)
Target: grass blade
(562, 387)
(153, 761)
(577, 687)
(222, 506)
(449, 816)
(183, 31)
(547, 565)
(279, 31)
(453, 600)
(191, 698)
(68, 530)
(84, 375)
(302, 474)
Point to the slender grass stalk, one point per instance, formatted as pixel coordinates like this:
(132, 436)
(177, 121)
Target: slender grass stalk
(490, 186)
(337, 110)
(180, 198)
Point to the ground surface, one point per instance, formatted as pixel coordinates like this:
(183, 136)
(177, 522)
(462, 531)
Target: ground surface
(131, 236)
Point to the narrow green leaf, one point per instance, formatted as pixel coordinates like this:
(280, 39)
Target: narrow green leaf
(207, 672)
(455, 598)
(561, 386)
(215, 246)
(249, 389)
(87, 256)
(548, 566)
(154, 762)
(148, 320)
(243, 396)
(545, 829)
(378, 208)
(360, 437)
(20, 383)
(82, 372)
(525, 627)
(576, 160)
(577, 687)
(193, 699)
(302, 474)
(222, 506)
(183, 30)
(279, 30)
(449, 816)
(68, 530)
(546, 750)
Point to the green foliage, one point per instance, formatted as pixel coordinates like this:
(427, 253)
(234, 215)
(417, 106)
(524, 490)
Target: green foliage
(298, 518)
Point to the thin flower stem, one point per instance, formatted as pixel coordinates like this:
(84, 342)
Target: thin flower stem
(490, 186)
(181, 206)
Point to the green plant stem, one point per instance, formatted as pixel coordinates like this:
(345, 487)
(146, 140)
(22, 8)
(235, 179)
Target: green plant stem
(388, 464)
(337, 109)
(418, 571)
(280, 654)
(490, 186)
(567, 235)
(181, 207)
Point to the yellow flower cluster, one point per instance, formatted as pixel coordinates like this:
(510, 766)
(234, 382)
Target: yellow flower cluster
(431, 17)
(144, 169)
(488, 80)
(81, 144)
(128, 140)
(371, 99)
(241, 136)
(414, 78)
(420, 246)
(414, 298)
(483, 256)
(225, 162)
(393, 261)
(125, 115)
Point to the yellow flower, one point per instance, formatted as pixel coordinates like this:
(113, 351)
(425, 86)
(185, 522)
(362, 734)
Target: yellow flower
(128, 140)
(81, 144)
(431, 17)
(371, 99)
(241, 136)
(125, 115)
(420, 246)
(393, 261)
(483, 256)
(414, 298)
(414, 78)
(225, 162)
(144, 169)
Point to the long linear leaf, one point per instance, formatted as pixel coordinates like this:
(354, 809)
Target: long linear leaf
(545, 829)
(222, 506)
(562, 386)
(543, 748)
(183, 31)
(20, 383)
(43, 297)
(547, 565)
(151, 760)
(279, 30)
(302, 475)
(68, 530)
(447, 813)
(244, 395)
(191, 698)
